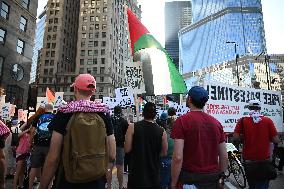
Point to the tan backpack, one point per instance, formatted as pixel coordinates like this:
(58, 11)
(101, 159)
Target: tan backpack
(85, 153)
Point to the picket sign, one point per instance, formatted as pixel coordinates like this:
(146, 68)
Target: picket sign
(58, 100)
(134, 77)
(41, 102)
(229, 103)
(22, 115)
(5, 111)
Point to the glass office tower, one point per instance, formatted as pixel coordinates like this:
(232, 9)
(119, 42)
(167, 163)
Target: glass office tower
(40, 27)
(215, 22)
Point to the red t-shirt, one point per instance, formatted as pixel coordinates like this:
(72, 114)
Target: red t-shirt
(202, 135)
(257, 137)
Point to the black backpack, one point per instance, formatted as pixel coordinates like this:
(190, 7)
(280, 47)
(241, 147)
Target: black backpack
(119, 130)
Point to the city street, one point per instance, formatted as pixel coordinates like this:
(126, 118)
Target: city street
(230, 184)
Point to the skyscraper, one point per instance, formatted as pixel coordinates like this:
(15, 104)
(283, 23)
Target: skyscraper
(40, 28)
(203, 43)
(17, 31)
(95, 42)
(177, 16)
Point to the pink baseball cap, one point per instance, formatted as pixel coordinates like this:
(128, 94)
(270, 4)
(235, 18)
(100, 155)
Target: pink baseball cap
(85, 82)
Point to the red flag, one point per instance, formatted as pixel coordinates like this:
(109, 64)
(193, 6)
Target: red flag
(50, 95)
(135, 27)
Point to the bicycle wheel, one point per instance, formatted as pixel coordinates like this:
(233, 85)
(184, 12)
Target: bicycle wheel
(228, 171)
(238, 172)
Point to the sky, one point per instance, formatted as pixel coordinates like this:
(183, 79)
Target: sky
(153, 19)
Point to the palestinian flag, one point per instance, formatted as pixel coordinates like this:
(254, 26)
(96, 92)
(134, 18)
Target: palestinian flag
(160, 74)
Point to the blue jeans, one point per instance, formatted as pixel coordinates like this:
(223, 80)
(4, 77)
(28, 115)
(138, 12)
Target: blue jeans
(165, 172)
(260, 184)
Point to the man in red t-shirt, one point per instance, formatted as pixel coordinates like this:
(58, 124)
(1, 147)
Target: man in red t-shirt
(258, 132)
(200, 153)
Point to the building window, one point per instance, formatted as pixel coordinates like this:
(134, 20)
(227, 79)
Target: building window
(103, 52)
(83, 43)
(84, 35)
(97, 18)
(49, 28)
(45, 71)
(47, 54)
(82, 62)
(20, 46)
(95, 70)
(81, 70)
(90, 44)
(55, 28)
(90, 52)
(51, 62)
(101, 89)
(97, 35)
(92, 11)
(104, 26)
(95, 52)
(23, 23)
(84, 19)
(103, 60)
(103, 43)
(97, 26)
(91, 35)
(56, 12)
(98, 2)
(25, 3)
(105, 9)
(102, 79)
(82, 53)
(103, 34)
(52, 53)
(96, 43)
(102, 70)
(55, 20)
(46, 62)
(89, 70)
(5, 10)
(90, 61)
(92, 18)
(2, 35)
(98, 10)
(50, 21)
(84, 28)
(104, 18)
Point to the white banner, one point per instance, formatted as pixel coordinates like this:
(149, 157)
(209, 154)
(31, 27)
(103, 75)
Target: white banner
(228, 104)
(124, 102)
(5, 111)
(134, 77)
(58, 100)
(180, 109)
(22, 115)
(122, 92)
(41, 102)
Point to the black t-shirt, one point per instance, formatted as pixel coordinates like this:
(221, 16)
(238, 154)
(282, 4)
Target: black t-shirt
(145, 155)
(42, 138)
(2, 142)
(59, 124)
(120, 126)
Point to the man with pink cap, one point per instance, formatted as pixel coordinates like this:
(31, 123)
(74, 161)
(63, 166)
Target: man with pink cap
(84, 88)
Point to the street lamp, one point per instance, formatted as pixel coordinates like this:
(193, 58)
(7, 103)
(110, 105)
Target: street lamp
(237, 56)
(267, 71)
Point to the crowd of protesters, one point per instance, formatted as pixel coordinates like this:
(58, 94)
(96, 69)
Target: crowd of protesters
(79, 146)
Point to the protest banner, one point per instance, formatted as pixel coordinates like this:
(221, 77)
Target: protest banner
(12, 110)
(122, 92)
(180, 109)
(41, 102)
(229, 103)
(5, 111)
(124, 102)
(134, 77)
(22, 115)
(58, 100)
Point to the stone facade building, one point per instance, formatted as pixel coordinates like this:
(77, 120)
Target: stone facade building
(17, 31)
(86, 36)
